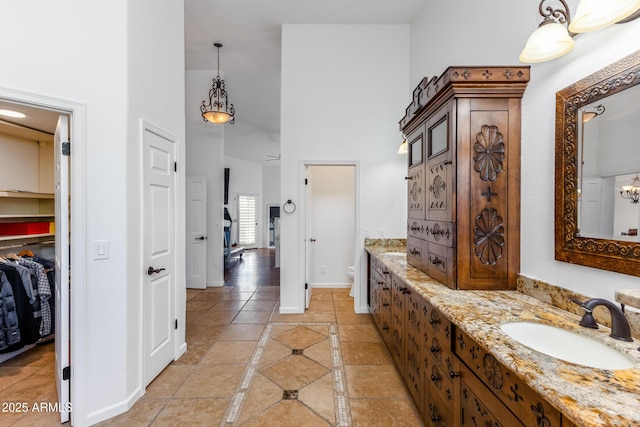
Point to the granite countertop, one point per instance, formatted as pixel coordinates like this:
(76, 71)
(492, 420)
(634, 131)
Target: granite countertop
(587, 396)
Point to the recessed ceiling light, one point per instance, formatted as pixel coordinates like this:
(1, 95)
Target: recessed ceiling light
(11, 113)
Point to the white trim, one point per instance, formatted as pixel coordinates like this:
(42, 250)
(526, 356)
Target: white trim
(330, 285)
(78, 191)
(214, 284)
(115, 409)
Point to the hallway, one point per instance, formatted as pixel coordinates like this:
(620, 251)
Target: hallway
(248, 365)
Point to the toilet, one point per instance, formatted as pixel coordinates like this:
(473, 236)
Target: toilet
(350, 273)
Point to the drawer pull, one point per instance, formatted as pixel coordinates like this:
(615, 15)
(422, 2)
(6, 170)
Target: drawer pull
(408, 178)
(385, 304)
(436, 418)
(435, 349)
(452, 374)
(435, 378)
(385, 289)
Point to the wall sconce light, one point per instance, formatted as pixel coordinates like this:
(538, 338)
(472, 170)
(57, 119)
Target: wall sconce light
(219, 110)
(552, 39)
(404, 146)
(632, 192)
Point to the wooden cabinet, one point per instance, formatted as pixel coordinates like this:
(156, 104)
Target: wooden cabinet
(464, 204)
(380, 298)
(451, 378)
(520, 399)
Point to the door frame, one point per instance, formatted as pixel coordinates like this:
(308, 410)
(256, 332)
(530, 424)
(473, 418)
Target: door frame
(358, 293)
(78, 259)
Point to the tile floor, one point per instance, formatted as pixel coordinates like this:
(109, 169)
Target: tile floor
(248, 365)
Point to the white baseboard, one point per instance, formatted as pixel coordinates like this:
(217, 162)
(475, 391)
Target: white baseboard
(215, 284)
(331, 285)
(291, 310)
(116, 409)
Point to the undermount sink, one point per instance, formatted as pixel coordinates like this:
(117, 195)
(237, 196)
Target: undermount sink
(568, 346)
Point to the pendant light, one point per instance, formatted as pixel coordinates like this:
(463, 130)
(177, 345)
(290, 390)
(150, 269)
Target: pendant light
(219, 110)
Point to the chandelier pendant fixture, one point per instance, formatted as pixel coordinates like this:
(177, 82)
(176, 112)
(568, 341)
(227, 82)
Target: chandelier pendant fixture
(632, 192)
(219, 110)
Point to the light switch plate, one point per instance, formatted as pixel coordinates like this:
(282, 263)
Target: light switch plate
(100, 249)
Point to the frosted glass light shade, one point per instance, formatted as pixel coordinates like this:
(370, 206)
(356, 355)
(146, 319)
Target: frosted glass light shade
(217, 117)
(404, 147)
(595, 14)
(549, 41)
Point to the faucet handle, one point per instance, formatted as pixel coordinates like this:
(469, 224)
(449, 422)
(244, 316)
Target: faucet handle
(587, 320)
(582, 304)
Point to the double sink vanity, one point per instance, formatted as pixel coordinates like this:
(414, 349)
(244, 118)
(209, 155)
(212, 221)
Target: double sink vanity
(474, 345)
(511, 383)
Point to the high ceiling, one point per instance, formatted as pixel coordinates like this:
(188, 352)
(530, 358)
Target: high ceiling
(250, 59)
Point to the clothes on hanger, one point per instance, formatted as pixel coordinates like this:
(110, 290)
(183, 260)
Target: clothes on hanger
(27, 309)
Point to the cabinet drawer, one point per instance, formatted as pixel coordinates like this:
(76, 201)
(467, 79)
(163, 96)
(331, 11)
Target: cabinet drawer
(417, 228)
(480, 408)
(441, 264)
(517, 396)
(441, 385)
(440, 232)
(438, 413)
(414, 252)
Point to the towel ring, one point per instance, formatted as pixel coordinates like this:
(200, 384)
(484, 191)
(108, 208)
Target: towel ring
(291, 209)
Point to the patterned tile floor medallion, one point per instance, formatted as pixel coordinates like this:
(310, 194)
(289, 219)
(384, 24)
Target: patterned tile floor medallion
(296, 369)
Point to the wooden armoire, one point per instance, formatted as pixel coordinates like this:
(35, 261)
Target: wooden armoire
(463, 181)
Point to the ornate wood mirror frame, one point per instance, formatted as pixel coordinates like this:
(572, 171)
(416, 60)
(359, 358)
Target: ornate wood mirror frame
(614, 255)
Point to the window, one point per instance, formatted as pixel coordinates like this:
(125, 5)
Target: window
(247, 219)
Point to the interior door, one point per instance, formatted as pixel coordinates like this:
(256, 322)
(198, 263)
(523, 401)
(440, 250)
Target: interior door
(159, 252)
(308, 239)
(62, 302)
(197, 232)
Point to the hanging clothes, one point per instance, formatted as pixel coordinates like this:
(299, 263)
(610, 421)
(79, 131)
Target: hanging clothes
(9, 325)
(27, 324)
(44, 293)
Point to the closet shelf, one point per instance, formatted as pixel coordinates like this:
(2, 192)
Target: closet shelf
(25, 236)
(27, 215)
(26, 195)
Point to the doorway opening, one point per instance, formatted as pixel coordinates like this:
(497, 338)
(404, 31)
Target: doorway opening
(330, 225)
(36, 220)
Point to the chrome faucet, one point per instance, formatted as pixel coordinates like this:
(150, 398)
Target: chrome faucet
(619, 325)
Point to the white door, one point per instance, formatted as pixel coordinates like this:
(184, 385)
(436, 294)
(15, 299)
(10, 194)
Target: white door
(197, 232)
(159, 252)
(62, 267)
(308, 238)
(247, 220)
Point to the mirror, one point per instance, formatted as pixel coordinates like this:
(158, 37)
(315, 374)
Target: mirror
(597, 159)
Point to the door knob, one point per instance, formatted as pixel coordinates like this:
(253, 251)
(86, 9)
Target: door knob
(201, 238)
(152, 270)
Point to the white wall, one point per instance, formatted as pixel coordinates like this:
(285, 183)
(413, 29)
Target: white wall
(479, 37)
(121, 64)
(344, 89)
(155, 94)
(333, 191)
(205, 157)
